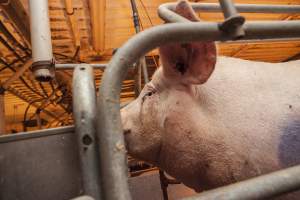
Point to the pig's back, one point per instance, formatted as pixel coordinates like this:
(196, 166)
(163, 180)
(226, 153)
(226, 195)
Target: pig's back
(258, 103)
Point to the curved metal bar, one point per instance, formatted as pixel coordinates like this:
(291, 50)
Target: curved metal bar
(109, 128)
(165, 10)
(262, 187)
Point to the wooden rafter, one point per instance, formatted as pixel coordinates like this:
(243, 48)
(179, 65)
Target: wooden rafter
(97, 12)
(16, 13)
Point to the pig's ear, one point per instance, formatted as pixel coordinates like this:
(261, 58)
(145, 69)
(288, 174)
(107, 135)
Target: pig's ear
(189, 63)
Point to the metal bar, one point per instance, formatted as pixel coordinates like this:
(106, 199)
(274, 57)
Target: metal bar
(38, 119)
(242, 8)
(262, 187)
(109, 131)
(163, 184)
(2, 112)
(36, 134)
(142, 62)
(145, 70)
(228, 8)
(72, 66)
(41, 40)
(84, 106)
(137, 79)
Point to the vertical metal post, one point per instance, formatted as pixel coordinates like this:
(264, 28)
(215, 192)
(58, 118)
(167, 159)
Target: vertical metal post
(84, 107)
(142, 62)
(38, 118)
(2, 111)
(137, 79)
(233, 21)
(163, 185)
(43, 64)
(228, 8)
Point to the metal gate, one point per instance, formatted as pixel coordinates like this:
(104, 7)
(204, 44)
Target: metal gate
(99, 169)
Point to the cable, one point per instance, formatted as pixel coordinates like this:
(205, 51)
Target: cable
(146, 11)
(21, 78)
(43, 89)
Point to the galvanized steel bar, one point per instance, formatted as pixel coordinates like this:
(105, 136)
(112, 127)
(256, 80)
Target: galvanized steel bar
(262, 187)
(142, 62)
(228, 8)
(84, 106)
(110, 133)
(35, 134)
(165, 11)
(72, 66)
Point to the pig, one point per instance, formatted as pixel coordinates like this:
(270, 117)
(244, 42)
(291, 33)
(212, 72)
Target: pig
(209, 120)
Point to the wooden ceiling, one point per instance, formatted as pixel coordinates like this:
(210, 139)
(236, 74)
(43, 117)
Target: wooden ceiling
(88, 31)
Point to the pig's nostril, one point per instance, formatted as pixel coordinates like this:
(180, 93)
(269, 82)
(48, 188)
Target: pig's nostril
(126, 131)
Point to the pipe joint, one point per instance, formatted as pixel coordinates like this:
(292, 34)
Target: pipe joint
(44, 70)
(233, 26)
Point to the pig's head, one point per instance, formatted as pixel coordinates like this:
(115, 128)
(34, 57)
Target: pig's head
(183, 67)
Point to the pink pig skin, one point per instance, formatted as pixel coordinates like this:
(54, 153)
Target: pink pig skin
(210, 121)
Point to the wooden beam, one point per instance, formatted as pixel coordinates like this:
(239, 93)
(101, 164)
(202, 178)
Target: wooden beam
(97, 12)
(71, 15)
(17, 75)
(28, 100)
(15, 11)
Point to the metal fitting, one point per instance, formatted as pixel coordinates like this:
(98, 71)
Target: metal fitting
(44, 71)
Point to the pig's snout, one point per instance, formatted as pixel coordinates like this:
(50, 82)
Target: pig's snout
(126, 131)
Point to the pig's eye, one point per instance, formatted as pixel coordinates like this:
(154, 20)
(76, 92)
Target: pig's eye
(148, 94)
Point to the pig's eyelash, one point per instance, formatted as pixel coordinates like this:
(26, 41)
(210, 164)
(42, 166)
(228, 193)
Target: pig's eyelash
(147, 94)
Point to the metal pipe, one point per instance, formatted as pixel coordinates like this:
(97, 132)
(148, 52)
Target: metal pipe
(233, 23)
(38, 118)
(262, 187)
(145, 70)
(84, 106)
(43, 63)
(109, 128)
(137, 79)
(72, 66)
(242, 8)
(228, 8)
(2, 111)
(142, 62)
(165, 11)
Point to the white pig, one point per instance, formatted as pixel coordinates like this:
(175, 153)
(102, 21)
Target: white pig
(211, 121)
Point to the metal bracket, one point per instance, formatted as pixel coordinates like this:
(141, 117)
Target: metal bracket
(44, 70)
(233, 24)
